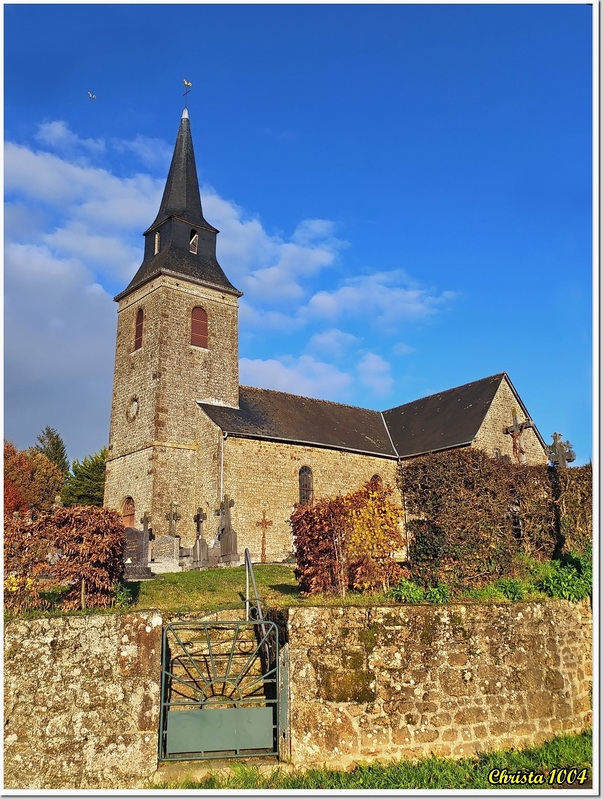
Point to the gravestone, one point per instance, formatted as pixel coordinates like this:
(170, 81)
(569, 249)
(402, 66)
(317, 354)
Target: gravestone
(227, 536)
(166, 554)
(200, 552)
(136, 555)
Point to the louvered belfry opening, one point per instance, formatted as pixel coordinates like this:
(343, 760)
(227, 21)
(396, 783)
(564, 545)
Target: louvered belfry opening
(199, 327)
(306, 486)
(138, 330)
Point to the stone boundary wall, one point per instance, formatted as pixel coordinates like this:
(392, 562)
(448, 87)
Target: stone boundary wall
(81, 694)
(392, 682)
(81, 701)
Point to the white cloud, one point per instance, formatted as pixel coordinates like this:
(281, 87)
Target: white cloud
(332, 343)
(304, 376)
(386, 299)
(374, 373)
(59, 346)
(153, 153)
(84, 192)
(110, 252)
(58, 136)
(402, 349)
(254, 318)
(266, 267)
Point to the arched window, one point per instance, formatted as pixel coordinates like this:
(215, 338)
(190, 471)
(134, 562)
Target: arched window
(157, 242)
(128, 512)
(193, 240)
(306, 486)
(138, 330)
(376, 479)
(199, 327)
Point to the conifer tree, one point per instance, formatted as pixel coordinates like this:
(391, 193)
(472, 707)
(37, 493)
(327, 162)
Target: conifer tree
(85, 484)
(51, 444)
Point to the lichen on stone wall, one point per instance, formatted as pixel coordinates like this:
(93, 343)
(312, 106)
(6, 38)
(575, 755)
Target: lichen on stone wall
(81, 701)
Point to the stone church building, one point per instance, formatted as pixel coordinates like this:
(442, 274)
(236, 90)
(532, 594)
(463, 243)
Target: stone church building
(193, 454)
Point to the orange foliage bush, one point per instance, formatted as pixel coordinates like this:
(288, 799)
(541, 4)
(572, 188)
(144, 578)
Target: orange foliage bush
(57, 552)
(348, 542)
(30, 480)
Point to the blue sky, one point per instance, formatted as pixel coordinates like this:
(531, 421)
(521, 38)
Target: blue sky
(403, 194)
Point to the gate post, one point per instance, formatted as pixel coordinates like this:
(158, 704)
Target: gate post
(284, 743)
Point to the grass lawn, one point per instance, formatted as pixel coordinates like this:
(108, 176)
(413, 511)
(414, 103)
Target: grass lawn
(564, 752)
(214, 588)
(211, 589)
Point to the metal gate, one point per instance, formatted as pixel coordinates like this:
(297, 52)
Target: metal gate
(220, 690)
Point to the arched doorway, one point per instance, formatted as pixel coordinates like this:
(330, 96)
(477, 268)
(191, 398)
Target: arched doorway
(128, 512)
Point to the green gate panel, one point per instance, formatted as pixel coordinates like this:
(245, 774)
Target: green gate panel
(209, 729)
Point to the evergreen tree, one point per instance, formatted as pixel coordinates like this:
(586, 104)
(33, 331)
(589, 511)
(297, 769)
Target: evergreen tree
(85, 484)
(51, 444)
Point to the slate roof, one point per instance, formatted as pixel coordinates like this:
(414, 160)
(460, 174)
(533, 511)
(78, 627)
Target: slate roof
(179, 263)
(438, 422)
(266, 414)
(444, 420)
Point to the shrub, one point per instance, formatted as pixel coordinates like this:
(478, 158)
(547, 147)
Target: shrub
(438, 594)
(426, 552)
(477, 519)
(347, 542)
(573, 492)
(512, 588)
(62, 558)
(569, 578)
(406, 592)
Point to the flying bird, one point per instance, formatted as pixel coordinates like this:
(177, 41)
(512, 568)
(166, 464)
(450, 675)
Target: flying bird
(186, 82)
(92, 96)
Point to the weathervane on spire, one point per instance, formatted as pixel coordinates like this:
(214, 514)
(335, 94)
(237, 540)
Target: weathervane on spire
(188, 85)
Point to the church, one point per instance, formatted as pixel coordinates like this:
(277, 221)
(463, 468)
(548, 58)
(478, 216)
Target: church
(200, 459)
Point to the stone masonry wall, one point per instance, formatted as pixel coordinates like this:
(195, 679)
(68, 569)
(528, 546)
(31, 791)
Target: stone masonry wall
(500, 416)
(81, 701)
(155, 392)
(393, 682)
(263, 476)
(81, 694)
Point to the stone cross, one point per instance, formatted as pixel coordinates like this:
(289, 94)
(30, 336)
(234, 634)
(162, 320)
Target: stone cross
(515, 431)
(198, 519)
(173, 518)
(224, 512)
(146, 519)
(560, 453)
(227, 536)
(264, 524)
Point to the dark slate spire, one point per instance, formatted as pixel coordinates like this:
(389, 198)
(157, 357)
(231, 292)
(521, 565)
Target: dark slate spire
(181, 195)
(180, 242)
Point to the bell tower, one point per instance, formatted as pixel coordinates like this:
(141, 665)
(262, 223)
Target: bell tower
(176, 344)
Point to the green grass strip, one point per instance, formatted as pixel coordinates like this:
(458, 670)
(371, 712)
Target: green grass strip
(563, 752)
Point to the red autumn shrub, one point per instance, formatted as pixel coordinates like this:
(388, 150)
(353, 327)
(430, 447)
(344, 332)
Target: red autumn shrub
(60, 550)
